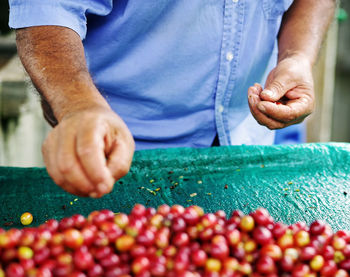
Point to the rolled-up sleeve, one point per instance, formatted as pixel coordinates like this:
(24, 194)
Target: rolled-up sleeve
(66, 13)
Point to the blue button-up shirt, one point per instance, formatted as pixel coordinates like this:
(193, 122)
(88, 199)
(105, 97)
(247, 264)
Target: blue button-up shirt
(176, 71)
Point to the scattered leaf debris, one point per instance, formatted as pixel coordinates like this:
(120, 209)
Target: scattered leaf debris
(76, 199)
(345, 193)
(8, 223)
(238, 169)
(208, 193)
(157, 189)
(175, 184)
(149, 190)
(64, 207)
(226, 186)
(151, 181)
(199, 182)
(193, 194)
(262, 166)
(297, 190)
(290, 183)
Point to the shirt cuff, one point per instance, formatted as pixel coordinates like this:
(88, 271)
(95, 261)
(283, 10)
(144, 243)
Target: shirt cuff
(24, 13)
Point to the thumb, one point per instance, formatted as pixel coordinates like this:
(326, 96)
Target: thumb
(277, 87)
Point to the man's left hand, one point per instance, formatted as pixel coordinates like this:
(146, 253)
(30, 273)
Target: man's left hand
(288, 96)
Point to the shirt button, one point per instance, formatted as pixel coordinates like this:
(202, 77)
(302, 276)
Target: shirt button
(229, 56)
(221, 108)
(234, 1)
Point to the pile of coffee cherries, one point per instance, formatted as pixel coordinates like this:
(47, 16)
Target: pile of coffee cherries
(174, 241)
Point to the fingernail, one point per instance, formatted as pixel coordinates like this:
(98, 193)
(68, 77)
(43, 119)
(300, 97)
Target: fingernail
(93, 195)
(102, 188)
(268, 93)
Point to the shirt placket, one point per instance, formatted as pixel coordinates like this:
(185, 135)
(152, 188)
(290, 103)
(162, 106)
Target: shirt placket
(230, 48)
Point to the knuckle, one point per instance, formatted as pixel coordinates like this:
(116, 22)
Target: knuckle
(65, 166)
(84, 151)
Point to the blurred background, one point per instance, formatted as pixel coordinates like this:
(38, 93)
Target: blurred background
(23, 129)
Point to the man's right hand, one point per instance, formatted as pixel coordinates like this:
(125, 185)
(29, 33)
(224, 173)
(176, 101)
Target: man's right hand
(90, 147)
(88, 151)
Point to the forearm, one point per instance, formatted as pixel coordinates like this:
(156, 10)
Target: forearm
(303, 28)
(54, 59)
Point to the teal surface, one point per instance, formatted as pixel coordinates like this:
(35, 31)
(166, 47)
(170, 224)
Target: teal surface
(295, 183)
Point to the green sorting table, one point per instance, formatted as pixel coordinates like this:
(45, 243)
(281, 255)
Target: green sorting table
(295, 183)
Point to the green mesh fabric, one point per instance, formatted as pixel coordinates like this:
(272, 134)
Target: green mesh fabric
(295, 183)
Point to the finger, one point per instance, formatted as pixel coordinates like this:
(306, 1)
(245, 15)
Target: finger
(301, 92)
(49, 150)
(292, 111)
(258, 88)
(69, 165)
(72, 190)
(276, 87)
(120, 158)
(262, 119)
(91, 153)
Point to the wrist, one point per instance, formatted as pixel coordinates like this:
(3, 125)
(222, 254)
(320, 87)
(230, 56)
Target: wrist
(298, 56)
(77, 102)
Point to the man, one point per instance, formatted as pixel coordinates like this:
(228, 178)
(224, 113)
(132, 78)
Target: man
(177, 73)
